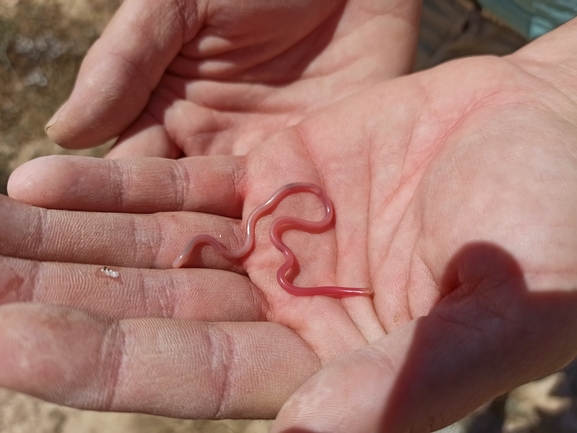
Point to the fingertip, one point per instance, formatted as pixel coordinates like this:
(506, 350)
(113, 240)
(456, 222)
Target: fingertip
(23, 180)
(44, 181)
(48, 129)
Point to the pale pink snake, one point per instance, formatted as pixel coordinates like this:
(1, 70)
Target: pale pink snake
(284, 223)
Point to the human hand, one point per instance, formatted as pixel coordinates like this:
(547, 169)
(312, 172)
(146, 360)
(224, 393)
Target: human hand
(195, 77)
(455, 201)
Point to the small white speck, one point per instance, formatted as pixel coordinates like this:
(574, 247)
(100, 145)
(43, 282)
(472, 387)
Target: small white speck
(110, 272)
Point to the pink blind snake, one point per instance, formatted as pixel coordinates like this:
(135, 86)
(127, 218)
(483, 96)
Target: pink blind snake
(284, 223)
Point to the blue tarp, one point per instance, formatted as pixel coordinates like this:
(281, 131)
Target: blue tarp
(532, 18)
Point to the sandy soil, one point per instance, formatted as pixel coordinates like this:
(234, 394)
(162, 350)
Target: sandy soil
(41, 46)
(42, 43)
(22, 414)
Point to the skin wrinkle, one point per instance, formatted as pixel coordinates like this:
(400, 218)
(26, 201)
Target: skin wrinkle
(112, 358)
(167, 298)
(131, 233)
(237, 174)
(553, 104)
(40, 229)
(181, 180)
(273, 56)
(462, 179)
(135, 73)
(338, 11)
(156, 122)
(176, 85)
(563, 272)
(519, 60)
(220, 343)
(400, 182)
(382, 358)
(370, 175)
(268, 90)
(145, 295)
(155, 244)
(272, 91)
(383, 256)
(481, 330)
(500, 309)
(260, 302)
(343, 66)
(166, 108)
(452, 323)
(233, 106)
(448, 130)
(189, 17)
(119, 183)
(409, 283)
(177, 178)
(298, 129)
(319, 363)
(310, 75)
(169, 93)
(432, 283)
(36, 275)
(216, 126)
(399, 12)
(373, 311)
(142, 29)
(151, 39)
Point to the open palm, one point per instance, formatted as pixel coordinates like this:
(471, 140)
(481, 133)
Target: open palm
(198, 77)
(454, 198)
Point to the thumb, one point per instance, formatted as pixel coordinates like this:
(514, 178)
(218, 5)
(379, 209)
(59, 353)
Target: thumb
(476, 344)
(120, 71)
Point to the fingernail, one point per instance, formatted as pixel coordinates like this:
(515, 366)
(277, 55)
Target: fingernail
(53, 120)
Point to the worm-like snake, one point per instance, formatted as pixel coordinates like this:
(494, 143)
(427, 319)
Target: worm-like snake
(284, 223)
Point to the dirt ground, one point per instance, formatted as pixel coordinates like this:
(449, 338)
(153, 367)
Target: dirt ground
(42, 43)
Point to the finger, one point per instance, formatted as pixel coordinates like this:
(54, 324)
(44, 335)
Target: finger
(202, 184)
(121, 69)
(161, 366)
(121, 293)
(146, 137)
(490, 336)
(187, 128)
(125, 240)
(202, 117)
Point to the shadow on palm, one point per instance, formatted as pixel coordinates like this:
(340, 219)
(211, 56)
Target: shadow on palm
(491, 320)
